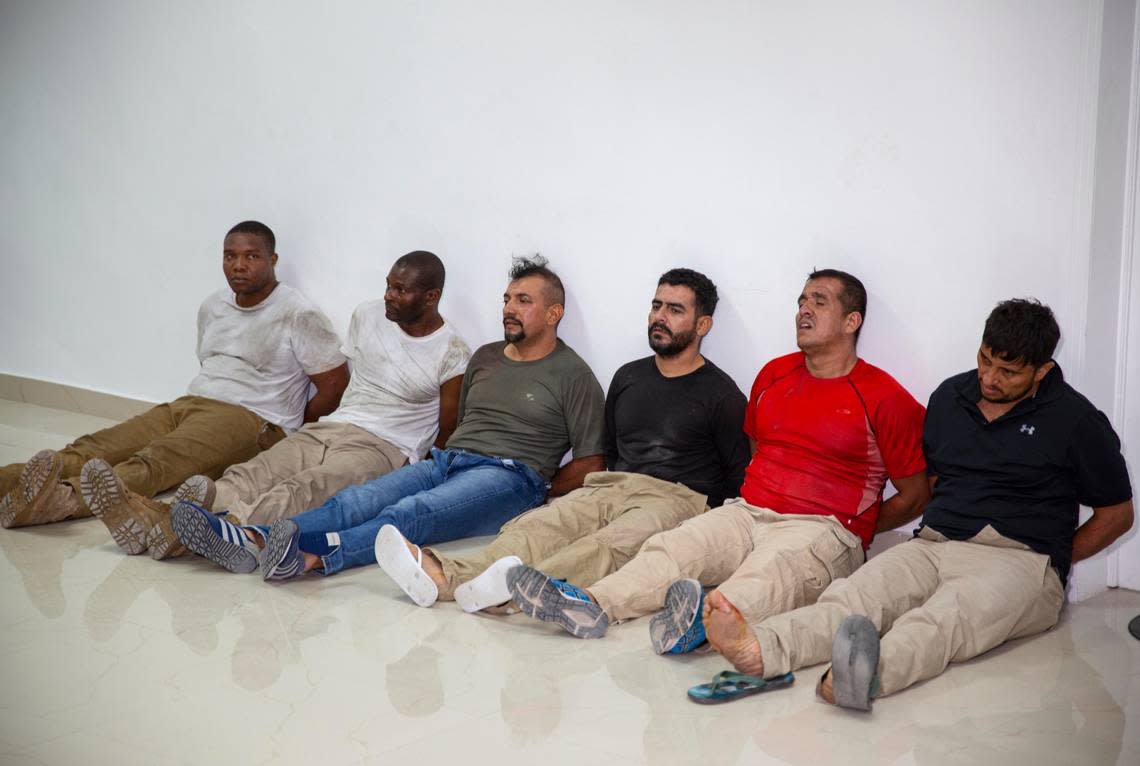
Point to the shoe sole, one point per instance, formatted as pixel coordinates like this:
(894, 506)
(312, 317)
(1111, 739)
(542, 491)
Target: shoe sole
(196, 533)
(282, 537)
(854, 662)
(537, 597)
(104, 497)
(398, 563)
(668, 626)
(162, 543)
(198, 490)
(22, 503)
(489, 588)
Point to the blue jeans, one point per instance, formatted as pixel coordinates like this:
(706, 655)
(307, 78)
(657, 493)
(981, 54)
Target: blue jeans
(452, 494)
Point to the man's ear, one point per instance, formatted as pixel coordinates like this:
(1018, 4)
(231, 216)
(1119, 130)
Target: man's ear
(432, 296)
(852, 322)
(554, 313)
(704, 325)
(1043, 370)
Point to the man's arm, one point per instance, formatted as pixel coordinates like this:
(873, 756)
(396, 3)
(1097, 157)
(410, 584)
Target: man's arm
(448, 409)
(1101, 529)
(330, 385)
(907, 505)
(570, 476)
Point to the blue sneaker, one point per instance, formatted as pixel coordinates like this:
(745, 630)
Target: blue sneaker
(213, 537)
(557, 601)
(678, 627)
(281, 559)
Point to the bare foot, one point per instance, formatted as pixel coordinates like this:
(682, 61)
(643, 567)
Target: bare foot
(825, 690)
(730, 635)
(254, 537)
(312, 561)
(430, 564)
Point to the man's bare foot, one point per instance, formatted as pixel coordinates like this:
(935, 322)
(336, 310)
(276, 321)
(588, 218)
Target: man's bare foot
(730, 635)
(254, 536)
(825, 690)
(429, 563)
(312, 561)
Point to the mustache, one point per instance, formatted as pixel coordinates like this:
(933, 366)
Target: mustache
(662, 328)
(511, 319)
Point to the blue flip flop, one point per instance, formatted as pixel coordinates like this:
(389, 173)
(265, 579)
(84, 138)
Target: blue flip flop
(728, 685)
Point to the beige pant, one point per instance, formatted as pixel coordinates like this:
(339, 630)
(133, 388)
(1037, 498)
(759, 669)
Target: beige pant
(303, 471)
(167, 444)
(934, 602)
(763, 562)
(586, 534)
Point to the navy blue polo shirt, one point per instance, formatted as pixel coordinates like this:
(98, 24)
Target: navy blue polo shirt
(1026, 473)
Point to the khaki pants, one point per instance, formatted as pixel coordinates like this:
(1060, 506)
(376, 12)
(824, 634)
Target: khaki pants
(763, 562)
(169, 443)
(586, 534)
(934, 601)
(303, 471)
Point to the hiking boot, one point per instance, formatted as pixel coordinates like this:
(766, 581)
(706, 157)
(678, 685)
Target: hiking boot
(135, 522)
(40, 497)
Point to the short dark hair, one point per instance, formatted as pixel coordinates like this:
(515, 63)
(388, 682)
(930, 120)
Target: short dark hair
(428, 268)
(703, 288)
(1022, 329)
(852, 294)
(258, 228)
(536, 266)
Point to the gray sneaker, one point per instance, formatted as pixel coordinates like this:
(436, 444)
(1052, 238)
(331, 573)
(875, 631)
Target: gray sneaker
(281, 558)
(568, 606)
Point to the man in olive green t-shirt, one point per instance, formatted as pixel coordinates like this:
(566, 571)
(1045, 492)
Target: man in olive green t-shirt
(524, 403)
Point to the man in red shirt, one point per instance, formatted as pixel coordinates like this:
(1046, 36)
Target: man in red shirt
(828, 429)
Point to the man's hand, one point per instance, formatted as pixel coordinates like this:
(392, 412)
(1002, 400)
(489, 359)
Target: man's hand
(330, 385)
(571, 475)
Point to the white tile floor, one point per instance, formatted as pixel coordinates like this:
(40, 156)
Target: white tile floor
(112, 659)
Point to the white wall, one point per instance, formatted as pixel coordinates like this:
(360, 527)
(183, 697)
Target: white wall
(943, 151)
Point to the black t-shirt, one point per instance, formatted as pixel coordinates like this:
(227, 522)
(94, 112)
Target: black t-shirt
(1026, 473)
(688, 429)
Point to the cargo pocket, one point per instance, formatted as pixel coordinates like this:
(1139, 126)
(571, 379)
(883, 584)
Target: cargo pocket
(836, 553)
(270, 435)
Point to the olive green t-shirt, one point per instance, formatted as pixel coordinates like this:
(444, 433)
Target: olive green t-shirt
(530, 411)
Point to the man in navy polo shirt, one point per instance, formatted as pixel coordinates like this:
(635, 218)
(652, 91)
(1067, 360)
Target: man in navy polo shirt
(1013, 451)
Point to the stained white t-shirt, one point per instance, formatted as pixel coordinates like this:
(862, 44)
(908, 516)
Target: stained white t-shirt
(261, 357)
(394, 389)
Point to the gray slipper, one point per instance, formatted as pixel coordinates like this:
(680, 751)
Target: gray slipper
(854, 662)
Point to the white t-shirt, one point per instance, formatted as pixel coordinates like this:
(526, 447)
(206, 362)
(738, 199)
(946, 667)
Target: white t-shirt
(394, 389)
(261, 357)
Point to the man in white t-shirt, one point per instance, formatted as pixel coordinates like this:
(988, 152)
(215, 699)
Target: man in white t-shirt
(407, 370)
(260, 343)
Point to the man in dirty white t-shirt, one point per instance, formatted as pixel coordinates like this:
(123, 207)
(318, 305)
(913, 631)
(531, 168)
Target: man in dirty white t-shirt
(260, 344)
(407, 370)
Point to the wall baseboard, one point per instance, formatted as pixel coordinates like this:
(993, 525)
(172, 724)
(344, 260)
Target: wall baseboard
(71, 398)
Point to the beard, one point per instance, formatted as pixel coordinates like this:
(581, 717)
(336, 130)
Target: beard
(674, 344)
(513, 336)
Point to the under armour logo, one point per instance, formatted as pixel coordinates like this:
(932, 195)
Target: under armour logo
(1028, 429)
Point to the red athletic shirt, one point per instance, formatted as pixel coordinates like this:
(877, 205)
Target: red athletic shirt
(827, 445)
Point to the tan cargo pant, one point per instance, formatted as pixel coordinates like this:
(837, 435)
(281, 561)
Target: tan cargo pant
(934, 601)
(762, 561)
(585, 534)
(303, 471)
(165, 445)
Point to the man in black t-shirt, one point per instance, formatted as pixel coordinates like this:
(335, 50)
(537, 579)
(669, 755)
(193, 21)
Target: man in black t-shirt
(1012, 451)
(674, 445)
